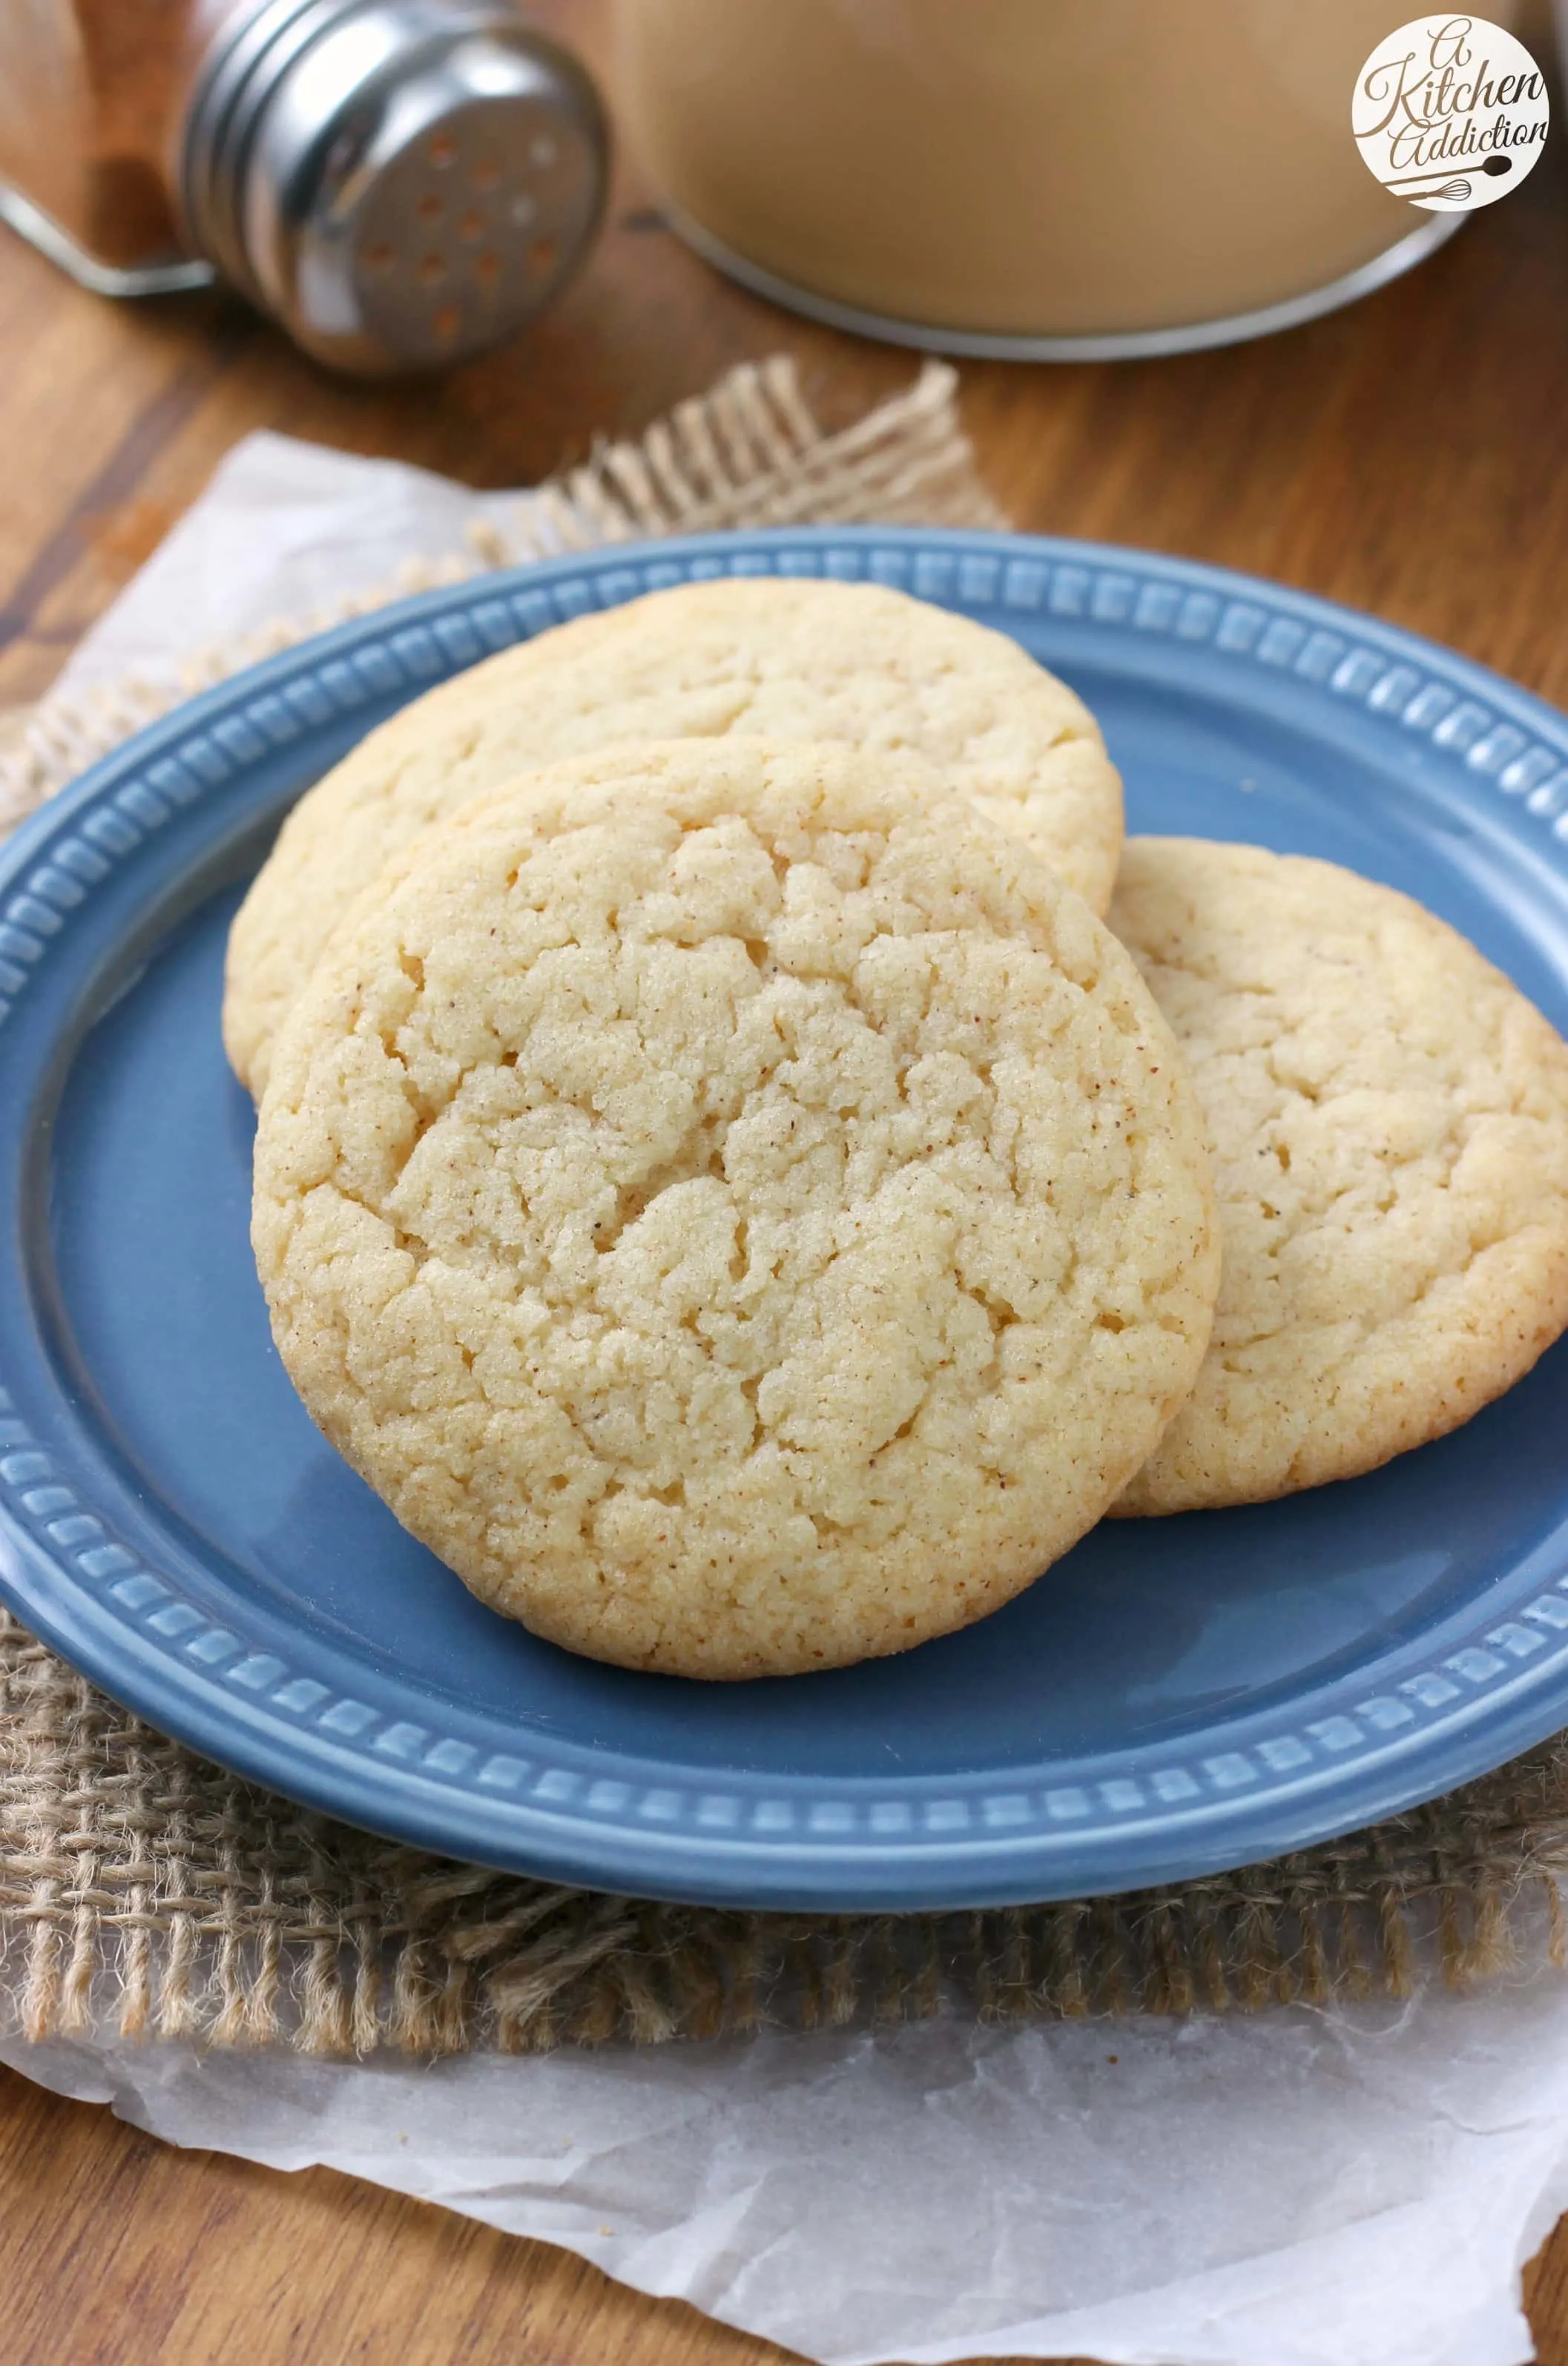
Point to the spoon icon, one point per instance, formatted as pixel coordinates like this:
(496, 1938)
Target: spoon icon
(1494, 167)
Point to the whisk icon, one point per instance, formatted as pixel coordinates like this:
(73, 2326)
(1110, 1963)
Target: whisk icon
(1457, 188)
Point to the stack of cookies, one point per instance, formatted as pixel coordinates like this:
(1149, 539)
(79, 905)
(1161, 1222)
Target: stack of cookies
(724, 1183)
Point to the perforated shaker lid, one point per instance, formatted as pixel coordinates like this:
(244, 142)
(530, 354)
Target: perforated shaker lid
(400, 183)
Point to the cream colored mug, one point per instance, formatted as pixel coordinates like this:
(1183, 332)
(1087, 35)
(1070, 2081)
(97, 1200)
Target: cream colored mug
(1029, 177)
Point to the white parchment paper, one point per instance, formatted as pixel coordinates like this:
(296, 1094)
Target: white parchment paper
(1357, 2188)
(1353, 2189)
(285, 529)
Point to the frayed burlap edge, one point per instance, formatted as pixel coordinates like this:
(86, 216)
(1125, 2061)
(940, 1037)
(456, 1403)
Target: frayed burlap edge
(747, 453)
(146, 1891)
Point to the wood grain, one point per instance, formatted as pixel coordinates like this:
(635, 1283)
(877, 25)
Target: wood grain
(1409, 455)
(118, 2249)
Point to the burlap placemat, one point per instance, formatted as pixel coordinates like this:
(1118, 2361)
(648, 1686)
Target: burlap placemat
(144, 1890)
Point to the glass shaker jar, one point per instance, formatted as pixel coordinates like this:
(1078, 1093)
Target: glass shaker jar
(400, 183)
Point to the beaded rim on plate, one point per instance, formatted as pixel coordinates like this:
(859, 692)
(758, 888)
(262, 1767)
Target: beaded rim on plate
(344, 1740)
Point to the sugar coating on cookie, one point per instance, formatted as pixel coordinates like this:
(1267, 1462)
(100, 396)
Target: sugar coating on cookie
(735, 1206)
(1389, 1122)
(779, 659)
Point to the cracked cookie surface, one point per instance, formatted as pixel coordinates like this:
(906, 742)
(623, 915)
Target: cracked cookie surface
(734, 1205)
(1388, 1118)
(772, 658)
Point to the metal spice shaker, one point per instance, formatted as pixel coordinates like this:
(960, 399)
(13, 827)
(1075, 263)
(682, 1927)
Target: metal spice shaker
(401, 183)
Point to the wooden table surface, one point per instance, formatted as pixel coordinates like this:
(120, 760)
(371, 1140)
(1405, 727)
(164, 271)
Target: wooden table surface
(1409, 455)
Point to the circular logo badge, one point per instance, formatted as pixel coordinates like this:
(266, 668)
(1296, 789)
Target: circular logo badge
(1450, 112)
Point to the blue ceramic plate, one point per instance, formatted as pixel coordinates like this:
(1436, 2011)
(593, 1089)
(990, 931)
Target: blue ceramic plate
(1177, 1696)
